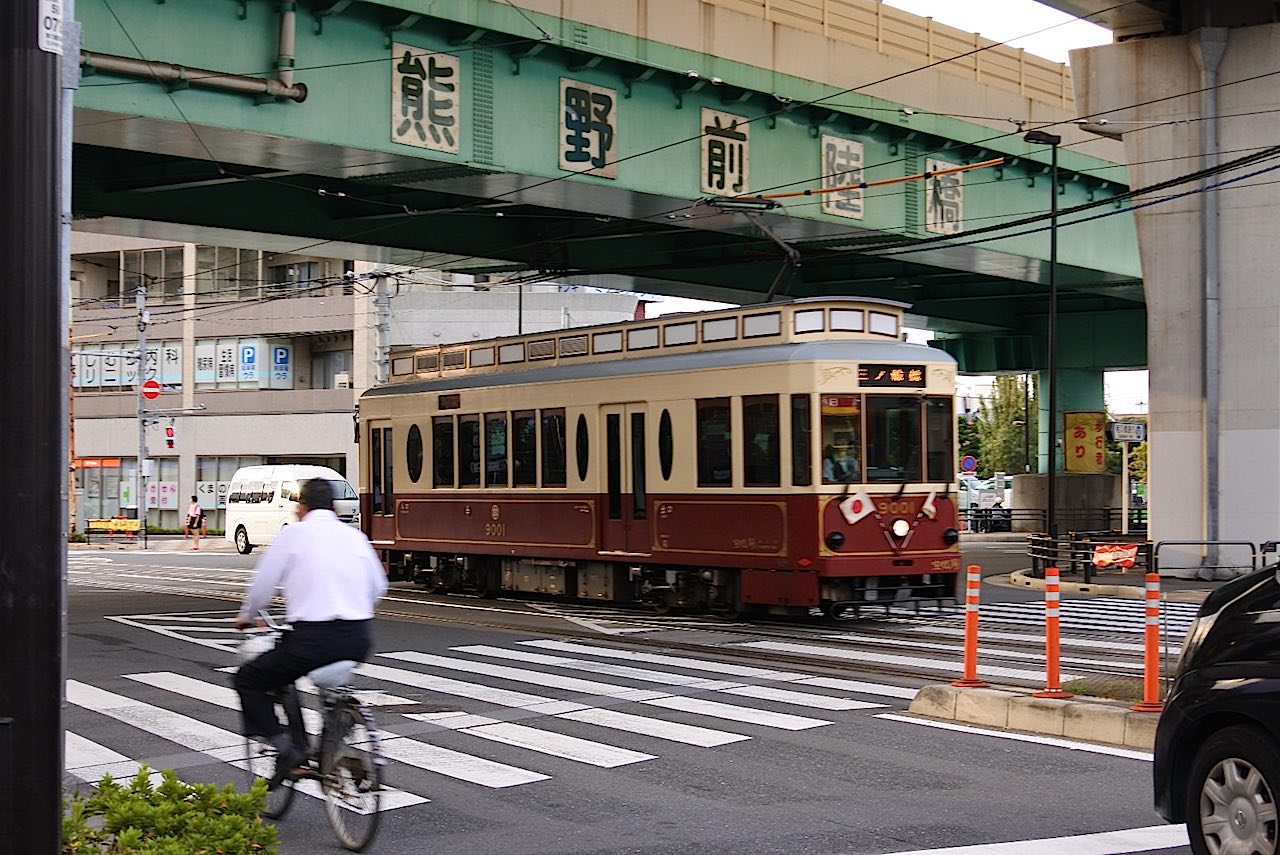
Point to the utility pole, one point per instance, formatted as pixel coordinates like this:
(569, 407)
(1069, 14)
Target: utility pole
(382, 305)
(140, 494)
(33, 348)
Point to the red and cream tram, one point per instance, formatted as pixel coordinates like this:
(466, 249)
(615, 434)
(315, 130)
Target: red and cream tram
(780, 457)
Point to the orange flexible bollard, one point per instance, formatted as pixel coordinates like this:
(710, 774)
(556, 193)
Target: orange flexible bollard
(1151, 653)
(973, 584)
(1052, 641)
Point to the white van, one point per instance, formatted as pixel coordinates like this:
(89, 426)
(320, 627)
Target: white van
(264, 499)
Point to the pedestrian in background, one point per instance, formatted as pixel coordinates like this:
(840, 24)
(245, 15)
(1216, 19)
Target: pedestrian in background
(195, 521)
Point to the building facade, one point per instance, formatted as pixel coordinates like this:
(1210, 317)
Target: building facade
(260, 358)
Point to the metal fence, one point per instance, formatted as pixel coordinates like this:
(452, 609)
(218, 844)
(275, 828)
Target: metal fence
(1031, 520)
(1073, 553)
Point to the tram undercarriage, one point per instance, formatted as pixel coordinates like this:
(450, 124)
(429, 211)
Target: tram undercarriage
(667, 589)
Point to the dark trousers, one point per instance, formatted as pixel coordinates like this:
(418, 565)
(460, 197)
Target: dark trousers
(303, 649)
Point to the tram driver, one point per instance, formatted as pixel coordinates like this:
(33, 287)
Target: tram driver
(838, 465)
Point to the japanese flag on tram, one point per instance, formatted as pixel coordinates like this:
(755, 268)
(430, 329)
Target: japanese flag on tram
(855, 506)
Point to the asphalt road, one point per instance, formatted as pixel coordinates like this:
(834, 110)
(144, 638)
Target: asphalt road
(803, 746)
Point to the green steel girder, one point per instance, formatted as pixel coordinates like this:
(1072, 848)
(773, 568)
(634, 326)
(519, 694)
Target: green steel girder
(328, 168)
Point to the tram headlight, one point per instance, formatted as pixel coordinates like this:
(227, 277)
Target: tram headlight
(950, 537)
(900, 528)
(834, 540)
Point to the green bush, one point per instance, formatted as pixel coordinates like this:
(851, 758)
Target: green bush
(76, 537)
(174, 818)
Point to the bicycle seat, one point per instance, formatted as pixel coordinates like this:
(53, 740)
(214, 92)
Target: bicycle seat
(334, 675)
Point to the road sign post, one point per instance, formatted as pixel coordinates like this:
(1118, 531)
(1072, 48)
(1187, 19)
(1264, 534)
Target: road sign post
(1126, 433)
(151, 390)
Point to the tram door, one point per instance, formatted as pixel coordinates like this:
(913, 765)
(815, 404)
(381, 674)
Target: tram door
(625, 521)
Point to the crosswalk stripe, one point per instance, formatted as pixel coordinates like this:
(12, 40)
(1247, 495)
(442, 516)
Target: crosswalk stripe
(687, 734)
(994, 652)
(91, 762)
(666, 678)
(194, 734)
(881, 689)
(733, 712)
(559, 745)
(1032, 638)
(801, 699)
(446, 686)
(725, 668)
(933, 665)
(444, 761)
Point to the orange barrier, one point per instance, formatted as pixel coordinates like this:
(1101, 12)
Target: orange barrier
(973, 584)
(1052, 638)
(1151, 653)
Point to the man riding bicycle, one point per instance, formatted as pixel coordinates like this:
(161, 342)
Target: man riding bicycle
(332, 579)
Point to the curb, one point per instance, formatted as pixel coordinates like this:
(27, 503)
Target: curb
(1023, 578)
(1094, 720)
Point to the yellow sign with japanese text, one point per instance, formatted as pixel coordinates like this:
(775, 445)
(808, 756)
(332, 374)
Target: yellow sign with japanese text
(1084, 445)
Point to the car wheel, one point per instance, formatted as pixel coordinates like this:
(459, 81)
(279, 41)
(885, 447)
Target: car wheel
(243, 546)
(1231, 794)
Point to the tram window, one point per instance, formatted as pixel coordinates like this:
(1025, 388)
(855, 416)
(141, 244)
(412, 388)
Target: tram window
(841, 439)
(375, 468)
(939, 425)
(495, 455)
(760, 451)
(884, 324)
(613, 464)
(639, 502)
(553, 448)
(389, 493)
(582, 443)
(808, 320)
(666, 445)
(413, 453)
(847, 320)
(524, 449)
(893, 438)
(801, 441)
(715, 438)
(442, 451)
(468, 451)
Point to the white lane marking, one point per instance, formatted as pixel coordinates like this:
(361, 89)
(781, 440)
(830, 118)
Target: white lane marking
(610, 690)
(1054, 741)
(663, 659)
(1152, 837)
(882, 689)
(456, 764)
(687, 734)
(733, 712)
(447, 686)
(665, 678)
(204, 580)
(522, 675)
(1034, 638)
(606, 668)
(994, 652)
(901, 661)
(559, 745)
(444, 761)
(801, 699)
(226, 646)
(91, 762)
(193, 734)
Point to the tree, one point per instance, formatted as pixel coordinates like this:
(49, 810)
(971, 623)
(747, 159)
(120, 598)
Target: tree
(1002, 428)
(967, 431)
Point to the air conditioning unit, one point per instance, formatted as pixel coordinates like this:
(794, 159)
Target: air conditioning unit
(342, 381)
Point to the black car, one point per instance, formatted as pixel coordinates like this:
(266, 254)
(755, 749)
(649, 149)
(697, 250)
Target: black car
(1217, 751)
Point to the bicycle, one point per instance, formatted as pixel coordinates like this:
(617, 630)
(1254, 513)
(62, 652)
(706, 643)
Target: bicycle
(345, 760)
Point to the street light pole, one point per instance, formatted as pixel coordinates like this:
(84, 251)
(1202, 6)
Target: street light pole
(1052, 140)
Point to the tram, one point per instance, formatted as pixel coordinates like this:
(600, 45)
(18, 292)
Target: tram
(781, 458)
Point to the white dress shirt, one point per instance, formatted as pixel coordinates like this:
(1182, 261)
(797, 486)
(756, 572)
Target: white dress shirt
(327, 569)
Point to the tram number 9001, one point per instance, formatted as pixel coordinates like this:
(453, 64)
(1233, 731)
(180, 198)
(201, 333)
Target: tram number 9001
(892, 507)
(495, 529)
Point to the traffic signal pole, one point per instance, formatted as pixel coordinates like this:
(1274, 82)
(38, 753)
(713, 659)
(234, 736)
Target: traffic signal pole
(33, 458)
(140, 483)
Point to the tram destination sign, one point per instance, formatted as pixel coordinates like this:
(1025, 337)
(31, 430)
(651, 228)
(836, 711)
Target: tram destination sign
(906, 376)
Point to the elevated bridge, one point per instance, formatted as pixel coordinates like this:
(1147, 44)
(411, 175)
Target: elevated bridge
(573, 139)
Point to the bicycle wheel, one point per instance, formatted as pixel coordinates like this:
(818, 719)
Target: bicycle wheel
(260, 757)
(352, 773)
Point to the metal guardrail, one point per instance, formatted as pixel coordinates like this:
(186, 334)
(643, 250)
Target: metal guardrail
(1255, 555)
(1033, 519)
(1073, 552)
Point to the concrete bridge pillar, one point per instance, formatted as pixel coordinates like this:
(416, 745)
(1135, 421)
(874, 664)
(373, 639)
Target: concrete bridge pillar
(1078, 389)
(1213, 328)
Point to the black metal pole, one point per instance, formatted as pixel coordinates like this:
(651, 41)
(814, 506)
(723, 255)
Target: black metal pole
(1026, 423)
(32, 457)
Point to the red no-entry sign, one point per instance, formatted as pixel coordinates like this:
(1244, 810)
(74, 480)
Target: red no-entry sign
(151, 390)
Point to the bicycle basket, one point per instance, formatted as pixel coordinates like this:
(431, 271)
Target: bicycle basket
(255, 644)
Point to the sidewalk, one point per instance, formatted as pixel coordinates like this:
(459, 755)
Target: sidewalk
(1118, 583)
(155, 542)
